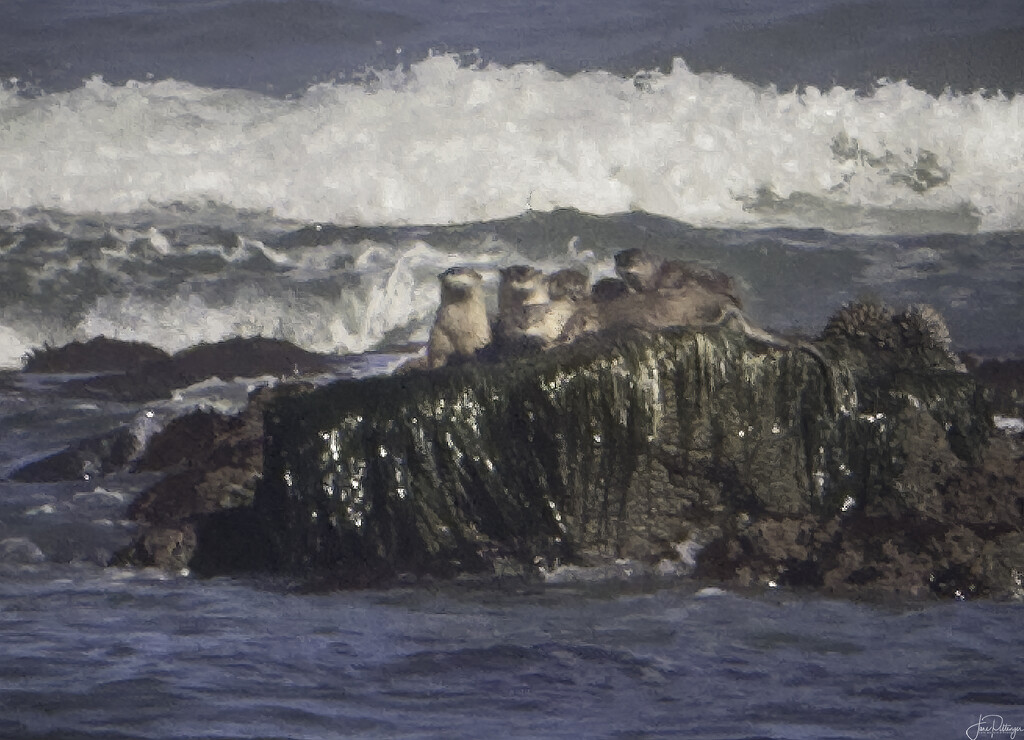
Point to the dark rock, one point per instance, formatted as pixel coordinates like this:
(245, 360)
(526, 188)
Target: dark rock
(246, 358)
(214, 463)
(170, 548)
(204, 439)
(232, 358)
(94, 356)
(186, 493)
(874, 338)
(91, 457)
(1005, 381)
(614, 446)
(866, 465)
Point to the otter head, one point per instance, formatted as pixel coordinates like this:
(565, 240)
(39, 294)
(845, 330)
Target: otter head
(459, 283)
(637, 269)
(608, 289)
(675, 274)
(568, 284)
(521, 285)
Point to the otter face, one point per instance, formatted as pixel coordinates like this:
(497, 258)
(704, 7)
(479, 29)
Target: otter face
(519, 274)
(521, 285)
(637, 269)
(675, 275)
(608, 289)
(568, 284)
(460, 281)
(460, 275)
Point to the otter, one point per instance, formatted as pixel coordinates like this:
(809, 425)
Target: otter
(679, 275)
(586, 317)
(567, 290)
(661, 294)
(608, 289)
(637, 269)
(461, 326)
(664, 308)
(521, 290)
(675, 293)
(568, 284)
(643, 273)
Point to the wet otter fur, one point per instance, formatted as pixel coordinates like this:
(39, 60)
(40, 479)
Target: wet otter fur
(461, 326)
(521, 290)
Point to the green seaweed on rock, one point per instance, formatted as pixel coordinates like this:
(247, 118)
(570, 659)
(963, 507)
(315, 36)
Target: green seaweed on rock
(614, 446)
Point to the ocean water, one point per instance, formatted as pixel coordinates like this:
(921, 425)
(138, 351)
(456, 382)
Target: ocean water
(178, 172)
(110, 656)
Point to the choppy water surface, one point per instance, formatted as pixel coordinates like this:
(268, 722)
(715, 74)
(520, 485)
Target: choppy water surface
(175, 279)
(113, 655)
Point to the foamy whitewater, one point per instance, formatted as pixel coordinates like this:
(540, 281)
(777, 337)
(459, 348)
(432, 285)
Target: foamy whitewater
(444, 143)
(186, 172)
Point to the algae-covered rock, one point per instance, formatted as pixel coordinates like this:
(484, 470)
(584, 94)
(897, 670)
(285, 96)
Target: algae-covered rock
(866, 461)
(616, 446)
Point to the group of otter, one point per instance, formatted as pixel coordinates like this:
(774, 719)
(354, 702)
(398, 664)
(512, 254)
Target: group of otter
(542, 311)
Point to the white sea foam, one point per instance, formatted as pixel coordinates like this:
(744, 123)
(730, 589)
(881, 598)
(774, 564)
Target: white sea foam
(1009, 424)
(447, 143)
(336, 297)
(13, 348)
(397, 289)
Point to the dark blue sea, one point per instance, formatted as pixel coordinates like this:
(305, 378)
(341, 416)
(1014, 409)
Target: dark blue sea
(181, 171)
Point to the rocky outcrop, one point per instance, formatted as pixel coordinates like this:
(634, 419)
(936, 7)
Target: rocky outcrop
(213, 463)
(139, 373)
(615, 446)
(861, 463)
(864, 462)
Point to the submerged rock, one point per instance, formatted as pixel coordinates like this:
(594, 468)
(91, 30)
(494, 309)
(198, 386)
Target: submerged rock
(20, 551)
(246, 357)
(87, 458)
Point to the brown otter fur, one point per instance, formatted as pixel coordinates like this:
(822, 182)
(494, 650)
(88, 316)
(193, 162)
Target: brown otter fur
(461, 326)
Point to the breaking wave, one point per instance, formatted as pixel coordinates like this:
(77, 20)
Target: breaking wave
(442, 142)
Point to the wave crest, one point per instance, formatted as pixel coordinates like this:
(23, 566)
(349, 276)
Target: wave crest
(442, 143)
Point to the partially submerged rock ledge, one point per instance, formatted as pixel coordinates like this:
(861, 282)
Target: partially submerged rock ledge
(138, 372)
(867, 464)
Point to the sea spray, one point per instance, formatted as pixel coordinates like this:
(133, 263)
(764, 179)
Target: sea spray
(440, 142)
